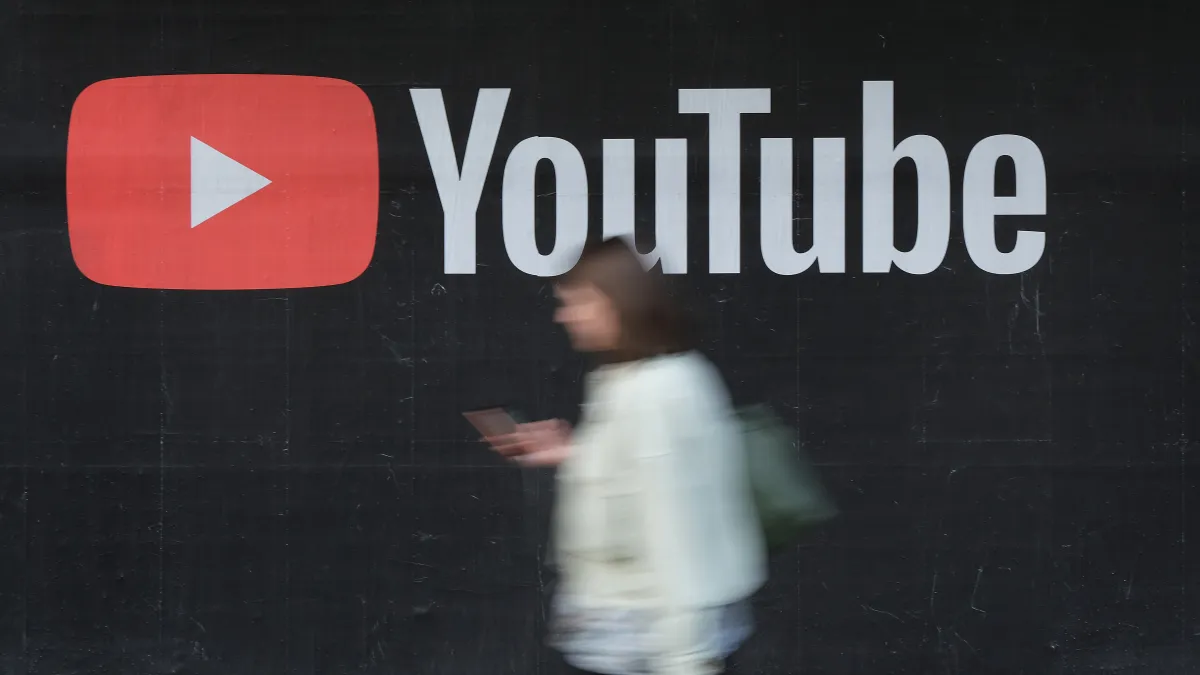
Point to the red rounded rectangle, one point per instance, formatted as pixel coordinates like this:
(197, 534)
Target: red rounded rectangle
(222, 182)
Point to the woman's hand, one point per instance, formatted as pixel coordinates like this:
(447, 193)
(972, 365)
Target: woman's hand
(544, 443)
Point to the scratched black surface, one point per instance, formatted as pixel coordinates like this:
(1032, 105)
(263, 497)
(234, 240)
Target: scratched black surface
(279, 482)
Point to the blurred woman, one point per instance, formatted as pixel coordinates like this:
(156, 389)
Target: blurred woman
(655, 535)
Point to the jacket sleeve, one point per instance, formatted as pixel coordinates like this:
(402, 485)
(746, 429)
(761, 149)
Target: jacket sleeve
(674, 532)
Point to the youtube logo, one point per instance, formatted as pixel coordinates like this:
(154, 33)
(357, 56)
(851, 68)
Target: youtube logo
(222, 182)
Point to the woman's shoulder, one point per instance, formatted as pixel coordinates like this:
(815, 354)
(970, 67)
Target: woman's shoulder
(679, 376)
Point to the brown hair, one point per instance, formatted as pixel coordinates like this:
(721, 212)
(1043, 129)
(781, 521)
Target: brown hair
(652, 322)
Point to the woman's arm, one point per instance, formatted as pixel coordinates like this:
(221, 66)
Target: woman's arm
(674, 522)
(535, 444)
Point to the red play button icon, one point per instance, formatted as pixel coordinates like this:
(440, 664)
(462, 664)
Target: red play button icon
(222, 182)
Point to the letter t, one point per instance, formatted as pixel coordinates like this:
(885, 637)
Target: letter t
(724, 108)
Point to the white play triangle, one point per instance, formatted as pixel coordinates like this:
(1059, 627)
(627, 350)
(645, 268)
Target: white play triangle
(218, 182)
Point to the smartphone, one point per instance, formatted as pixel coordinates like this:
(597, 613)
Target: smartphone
(493, 421)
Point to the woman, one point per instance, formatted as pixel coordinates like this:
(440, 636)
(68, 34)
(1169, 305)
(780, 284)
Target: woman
(655, 534)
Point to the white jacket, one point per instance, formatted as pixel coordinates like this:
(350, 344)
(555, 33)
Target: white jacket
(653, 508)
